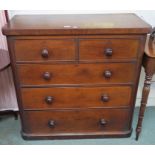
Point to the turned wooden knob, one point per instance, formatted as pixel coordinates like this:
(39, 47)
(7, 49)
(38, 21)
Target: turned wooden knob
(44, 53)
(108, 52)
(49, 99)
(107, 74)
(51, 123)
(47, 76)
(105, 98)
(103, 122)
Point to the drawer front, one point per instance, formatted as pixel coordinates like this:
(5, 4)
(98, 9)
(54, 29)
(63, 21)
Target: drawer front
(84, 97)
(100, 49)
(76, 121)
(76, 73)
(43, 50)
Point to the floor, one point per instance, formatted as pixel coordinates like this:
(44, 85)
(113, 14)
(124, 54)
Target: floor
(10, 134)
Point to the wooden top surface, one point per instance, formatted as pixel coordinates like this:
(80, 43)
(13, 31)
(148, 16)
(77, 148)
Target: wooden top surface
(76, 24)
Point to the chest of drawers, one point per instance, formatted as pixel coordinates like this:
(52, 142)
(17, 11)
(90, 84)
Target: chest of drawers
(76, 76)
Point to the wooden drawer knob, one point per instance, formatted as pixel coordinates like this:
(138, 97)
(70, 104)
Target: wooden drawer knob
(44, 53)
(107, 74)
(47, 75)
(51, 123)
(105, 98)
(108, 52)
(103, 122)
(49, 99)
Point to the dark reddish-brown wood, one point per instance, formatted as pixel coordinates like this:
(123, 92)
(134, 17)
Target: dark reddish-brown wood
(81, 122)
(149, 66)
(76, 24)
(100, 49)
(76, 76)
(45, 74)
(35, 50)
(83, 97)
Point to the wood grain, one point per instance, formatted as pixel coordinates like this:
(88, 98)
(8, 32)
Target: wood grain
(63, 95)
(76, 73)
(84, 97)
(31, 50)
(149, 67)
(76, 24)
(94, 49)
(76, 121)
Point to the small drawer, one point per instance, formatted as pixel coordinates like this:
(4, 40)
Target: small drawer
(80, 97)
(107, 73)
(72, 122)
(101, 49)
(45, 50)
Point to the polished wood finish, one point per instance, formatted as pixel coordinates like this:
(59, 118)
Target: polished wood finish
(149, 66)
(53, 74)
(54, 123)
(34, 50)
(80, 97)
(100, 49)
(88, 87)
(84, 24)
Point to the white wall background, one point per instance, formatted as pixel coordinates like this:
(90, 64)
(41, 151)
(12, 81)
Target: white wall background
(148, 16)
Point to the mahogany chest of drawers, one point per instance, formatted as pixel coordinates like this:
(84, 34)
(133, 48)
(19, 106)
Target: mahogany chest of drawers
(76, 76)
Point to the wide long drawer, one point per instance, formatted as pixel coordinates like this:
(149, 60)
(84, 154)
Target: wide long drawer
(72, 122)
(45, 74)
(80, 97)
